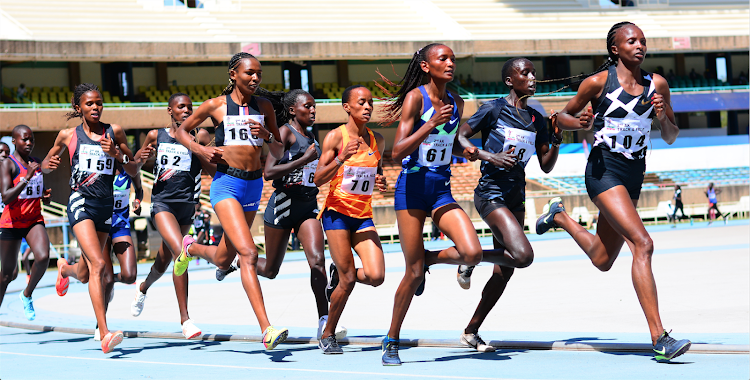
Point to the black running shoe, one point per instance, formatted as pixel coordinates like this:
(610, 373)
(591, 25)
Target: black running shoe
(420, 288)
(333, 283)
(221, 274)
(668, 348)
(330, 346)
(547, 219)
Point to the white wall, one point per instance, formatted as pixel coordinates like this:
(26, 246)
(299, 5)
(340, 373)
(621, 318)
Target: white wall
(35, 77)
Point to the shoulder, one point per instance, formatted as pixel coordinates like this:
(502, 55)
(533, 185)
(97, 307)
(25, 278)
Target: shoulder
(263, 102)
(659, 82)
(415, 95)
(215, 103)
(597, 80)
(333, 138)
(7, 165)
(458, 99)
(152, 134)
(203, 137)
(379, 139)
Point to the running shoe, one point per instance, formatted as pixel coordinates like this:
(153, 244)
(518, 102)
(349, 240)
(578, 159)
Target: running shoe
(547, 219)
(62, 283)
(330, 346)
(334, 282)
(668, 348)
(190, 330)
(420, 288)
(136, 308)
(464, 276)
(111, 340)
(475, 341)
(28, 307)
(340, 331)
(272, 337)
(221, 273)
(390, 351)
(183, 260)
(97, 334)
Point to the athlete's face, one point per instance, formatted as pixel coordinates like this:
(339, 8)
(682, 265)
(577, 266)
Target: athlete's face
(522, 78)
(180, 109)
(247, 75)
(4, 152)
(360, 105)
(304, 110)
(91, 106)
(630, 44)
(24, 141)
(441, 63)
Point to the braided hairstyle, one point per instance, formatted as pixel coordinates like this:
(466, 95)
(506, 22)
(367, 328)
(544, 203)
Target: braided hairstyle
(281, 102)
(76, 100)
(233, 63)
(412, 79)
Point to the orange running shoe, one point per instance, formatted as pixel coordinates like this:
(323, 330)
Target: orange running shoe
(111, 340)
(61, 286)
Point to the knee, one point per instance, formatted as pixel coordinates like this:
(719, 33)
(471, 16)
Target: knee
(377, 279)
(347, 280)
(473, 256)
(525, 258)
(271, 273)
(42, 257)
(644, 247)
(604, 265)
(127, 278)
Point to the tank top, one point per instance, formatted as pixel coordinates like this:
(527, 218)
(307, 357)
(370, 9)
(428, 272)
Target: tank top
(26, 210)
(92, 169)
(177, 171)
(351, 189)
(299, 182)
(622, 122)
(233, 130)
(711, 195)
(121, 210)
(436, 151)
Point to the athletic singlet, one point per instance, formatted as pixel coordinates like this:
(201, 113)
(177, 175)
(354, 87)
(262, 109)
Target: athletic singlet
(711, 195)
(233, 130)
(299, 182)
(177, 171)
(121, 209)
(92, 169)
(436, 151)
(351, 189)
(622, 122)
(26, 210)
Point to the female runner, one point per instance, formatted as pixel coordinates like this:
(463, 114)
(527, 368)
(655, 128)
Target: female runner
(93, 149)
(22, 187)
(177, 185)
(625, 100)
(351, 161)
(511, 133)
(243, 122)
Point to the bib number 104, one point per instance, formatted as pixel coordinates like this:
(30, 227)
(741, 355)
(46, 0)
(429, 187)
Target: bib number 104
(627, 141)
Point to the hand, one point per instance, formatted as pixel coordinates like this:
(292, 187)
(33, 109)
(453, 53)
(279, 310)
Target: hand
(47, 196)
(212, 154)
(659, 106)
(471, 153)
(108, 146)
(505, 160)
(381, 182)
(556, 130)
(257, 130)
(33, 167)
(443, 115)
(586, 120)
(136, 206)
(146, 153)
(54, 162)
(311, 154)
(351, 148)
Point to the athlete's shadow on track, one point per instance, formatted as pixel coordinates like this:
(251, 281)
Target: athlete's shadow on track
(279, 354)
(69, 340)
(121, 353)
(461, 355)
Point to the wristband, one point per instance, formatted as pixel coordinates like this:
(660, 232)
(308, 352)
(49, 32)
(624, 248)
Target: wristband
(23, 180)
(338, 161)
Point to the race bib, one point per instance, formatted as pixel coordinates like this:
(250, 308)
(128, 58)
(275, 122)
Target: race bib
(308, 174)
(34, 188)
(237, 131)
(625, 135)
(92, 159)
(121, 199)
(358, 180)
(174, 156)
(436, 150)
(523, 140)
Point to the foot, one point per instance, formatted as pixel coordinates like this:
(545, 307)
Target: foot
(189, 330)
(111, 340)
(221, 273)
(28, 307)
(330, 346)
(62, 283)
(333, 282)
(420, 288)
(340, 332)
(668, 348)
(136, 308)
(183, 260)
(547, 219)
(390, 351)
(475, 341)
(464, 276)
(272, 337)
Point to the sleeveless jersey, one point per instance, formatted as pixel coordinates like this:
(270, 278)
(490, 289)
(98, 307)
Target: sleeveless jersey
(436, 151)
(711, 196)
(504, 126)
(233, 130)
(351, 189)
(121, 209)
(622, 122)
(26, 210)
(299, 182)
(177, 171)
(92, 169)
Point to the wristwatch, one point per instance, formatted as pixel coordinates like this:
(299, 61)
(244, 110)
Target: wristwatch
(125, 159)
(270, 138)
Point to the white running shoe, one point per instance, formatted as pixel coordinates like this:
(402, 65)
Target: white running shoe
(464, 276)
(140, 298)
(97, 336)
(340, 332)
(189, 330)
(475, 341)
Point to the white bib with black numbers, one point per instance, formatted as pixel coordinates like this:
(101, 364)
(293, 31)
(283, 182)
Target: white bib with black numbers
(34, 188)
(174, 156)
(308, 173)
(237, 130)
(625, 135)
(92, 159)
(121, 199)
(524, 141)
(436, 150)
(358, 180)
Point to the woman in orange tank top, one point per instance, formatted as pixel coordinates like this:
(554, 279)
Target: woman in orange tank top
(351, 161)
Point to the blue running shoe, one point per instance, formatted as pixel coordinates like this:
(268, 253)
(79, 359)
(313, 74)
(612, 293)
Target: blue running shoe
(668, 348)
(28, 307)
(390, 351)
(547, 219)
